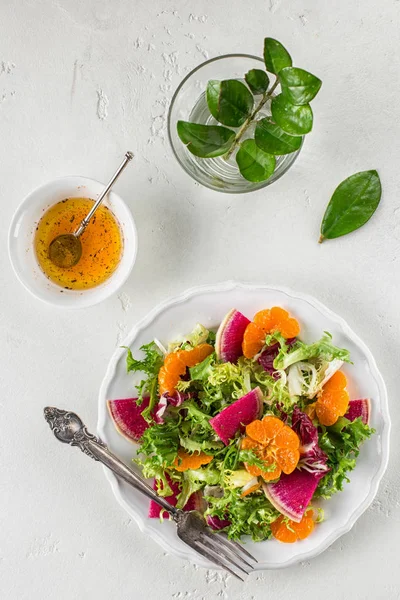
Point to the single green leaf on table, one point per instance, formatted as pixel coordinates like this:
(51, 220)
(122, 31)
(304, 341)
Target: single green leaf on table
(229, 101)
(353, 203)
(205, 141)
(296, 120)
(276, 57)
(299, 86)
(273, 140)
(257, 80)
(254, 164)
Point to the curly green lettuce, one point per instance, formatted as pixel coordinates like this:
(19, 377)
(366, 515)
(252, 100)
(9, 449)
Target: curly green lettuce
(341, 443)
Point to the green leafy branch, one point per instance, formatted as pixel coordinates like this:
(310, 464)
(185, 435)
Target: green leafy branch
(237, 104)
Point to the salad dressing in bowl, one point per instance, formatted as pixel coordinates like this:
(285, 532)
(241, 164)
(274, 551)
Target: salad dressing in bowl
(102, 243)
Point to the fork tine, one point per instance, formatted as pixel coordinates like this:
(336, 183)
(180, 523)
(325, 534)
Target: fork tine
(234, 546)
(206, 541)
(230, 548)
(204, 551)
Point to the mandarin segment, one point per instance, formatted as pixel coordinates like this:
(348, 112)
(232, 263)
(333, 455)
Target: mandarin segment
(256, 430)
(253, 470)
(252, 489)
(333, 400)
(167, 381)
(306, 525)
(264, 322)
(288, 531)
(247, 443)
(272, 426)
(289, 329)
(197, 355)
(263, 319)
(287, 438)
(278, 315)
(253, 340)
(185, 461)
(175, 365)
(275, 443)
(288, 459)
(281, 532)
(275, 473)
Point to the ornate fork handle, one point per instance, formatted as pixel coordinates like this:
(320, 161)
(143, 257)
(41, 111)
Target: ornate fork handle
(70, 429)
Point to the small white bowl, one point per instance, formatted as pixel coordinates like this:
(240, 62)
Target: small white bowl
(22, 233)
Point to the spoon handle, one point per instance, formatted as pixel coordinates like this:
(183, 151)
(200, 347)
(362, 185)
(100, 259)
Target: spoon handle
(85, 222)
(69, 428)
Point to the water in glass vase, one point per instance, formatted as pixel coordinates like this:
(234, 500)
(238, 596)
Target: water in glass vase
(222, 169)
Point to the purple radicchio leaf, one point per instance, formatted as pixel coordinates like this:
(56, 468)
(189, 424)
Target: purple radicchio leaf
(160, 410)
(312, 458)
(166, 400)
(267, 357)
(216, 523)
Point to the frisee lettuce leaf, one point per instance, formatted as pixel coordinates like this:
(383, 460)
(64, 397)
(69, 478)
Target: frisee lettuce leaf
(150, 365)
(251, 515)
(160, 443)
(341, 443)
(323, 349)
(194, 480)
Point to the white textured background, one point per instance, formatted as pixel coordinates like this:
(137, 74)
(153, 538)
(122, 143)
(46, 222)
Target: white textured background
(82, 81)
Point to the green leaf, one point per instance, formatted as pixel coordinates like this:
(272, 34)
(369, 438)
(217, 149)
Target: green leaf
(299, 86)
(323, 349)
(205, 141)
(150, 365)
(341, 442)
(257, 80)
(160, 443)
(229, 101)
(276, 57)
(296, 120)
(202, 370)
(273, 140)
(353, 203)
(251, 515)
(254, 164)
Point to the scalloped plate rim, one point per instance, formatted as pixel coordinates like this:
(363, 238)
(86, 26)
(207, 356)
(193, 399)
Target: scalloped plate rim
(190, 555)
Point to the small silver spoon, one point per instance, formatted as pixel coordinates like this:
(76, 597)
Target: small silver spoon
(65, 250)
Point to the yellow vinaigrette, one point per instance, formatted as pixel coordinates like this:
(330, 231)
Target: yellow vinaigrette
(102, 243)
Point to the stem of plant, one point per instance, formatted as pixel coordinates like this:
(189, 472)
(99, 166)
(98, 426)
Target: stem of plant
(251, 118)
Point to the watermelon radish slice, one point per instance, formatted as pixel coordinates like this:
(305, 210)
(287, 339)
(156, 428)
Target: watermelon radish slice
(228, 342)
(359, 408)
(236, 416)
(292, 494)
(195, 501)
(127, 417)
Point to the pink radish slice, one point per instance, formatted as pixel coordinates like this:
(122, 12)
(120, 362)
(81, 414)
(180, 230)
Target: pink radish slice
(127, 417)
(359, 408)
(228, 342)
(236, 416)
(292, 493)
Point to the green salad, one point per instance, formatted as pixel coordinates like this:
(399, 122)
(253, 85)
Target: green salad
(249, 425)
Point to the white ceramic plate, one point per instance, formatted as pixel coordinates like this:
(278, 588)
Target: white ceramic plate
(208, 305)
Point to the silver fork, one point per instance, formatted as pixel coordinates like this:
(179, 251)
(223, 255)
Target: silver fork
(191, 526)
